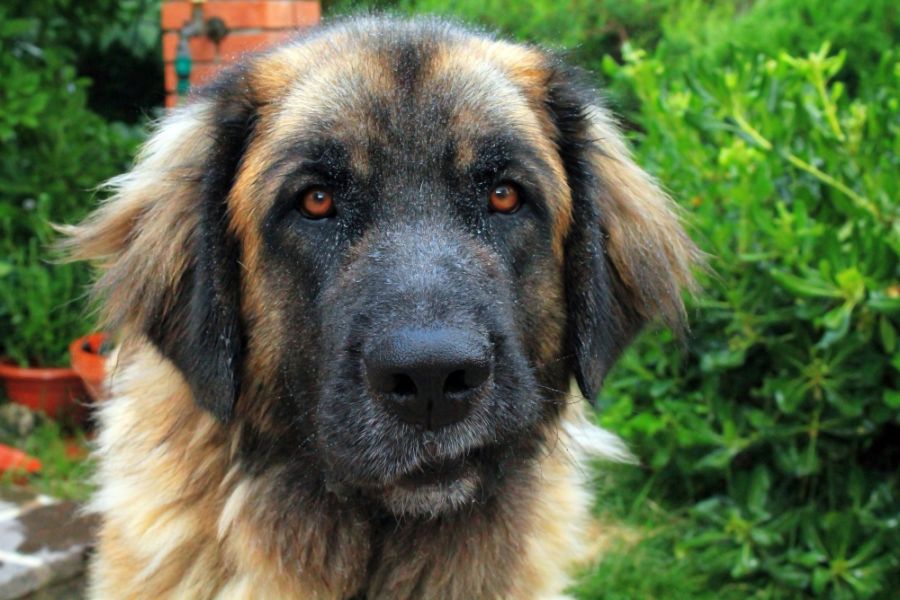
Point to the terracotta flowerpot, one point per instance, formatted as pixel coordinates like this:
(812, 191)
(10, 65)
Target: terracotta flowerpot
(89, 363)
(55, 391)
(13, 459)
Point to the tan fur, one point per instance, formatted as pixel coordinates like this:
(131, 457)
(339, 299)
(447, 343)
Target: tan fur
(649, 247)
(134, 232)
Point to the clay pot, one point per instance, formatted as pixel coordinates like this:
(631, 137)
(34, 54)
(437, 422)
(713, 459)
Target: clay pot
(13, 459)
(90, 363)
(54, 391)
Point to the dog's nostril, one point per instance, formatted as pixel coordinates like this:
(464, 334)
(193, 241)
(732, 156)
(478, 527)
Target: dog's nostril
(403, 385)
(476, 373)
(456, 382)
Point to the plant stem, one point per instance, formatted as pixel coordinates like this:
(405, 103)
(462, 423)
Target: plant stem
(747, 128)
(860, 201)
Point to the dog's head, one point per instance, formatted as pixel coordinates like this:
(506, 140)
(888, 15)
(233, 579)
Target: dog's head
(380, 253)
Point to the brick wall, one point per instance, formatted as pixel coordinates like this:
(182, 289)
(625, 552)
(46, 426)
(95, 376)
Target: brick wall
(252, 25)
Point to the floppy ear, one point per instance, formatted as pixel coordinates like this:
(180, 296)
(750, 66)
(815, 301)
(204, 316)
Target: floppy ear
(627, 255)
(169, 264)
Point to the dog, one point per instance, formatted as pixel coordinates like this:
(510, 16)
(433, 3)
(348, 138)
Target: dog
(353, 279)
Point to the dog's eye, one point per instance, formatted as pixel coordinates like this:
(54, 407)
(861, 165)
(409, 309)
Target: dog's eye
(505, 198)
(317, 203)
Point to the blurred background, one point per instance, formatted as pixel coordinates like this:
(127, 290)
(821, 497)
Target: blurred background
(769, 439)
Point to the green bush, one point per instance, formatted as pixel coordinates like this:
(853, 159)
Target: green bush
(693, 30)
(779, 423)
(55, 151)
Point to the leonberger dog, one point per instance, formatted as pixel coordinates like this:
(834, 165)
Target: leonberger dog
(353, 279)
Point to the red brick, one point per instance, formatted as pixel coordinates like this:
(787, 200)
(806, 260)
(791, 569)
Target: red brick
(203, 72)
(170, 45)
(237, 44)
(236, 15)
(279, 15)
(307, 13)
(262, 14)
(169, 77)
(246, 14)
(201, 48)
(174, 14)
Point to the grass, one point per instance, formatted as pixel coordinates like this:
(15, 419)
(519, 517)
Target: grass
(639, 554)
(66, 468)
(63, 452)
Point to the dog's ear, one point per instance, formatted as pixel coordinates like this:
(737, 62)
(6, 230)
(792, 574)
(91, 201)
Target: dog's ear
(168, 261)
(627, 254)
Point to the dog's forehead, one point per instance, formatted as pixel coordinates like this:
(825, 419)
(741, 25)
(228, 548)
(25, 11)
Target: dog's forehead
(412, 88)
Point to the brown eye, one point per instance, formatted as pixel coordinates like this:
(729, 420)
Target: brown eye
(505, 198)
(317, 203)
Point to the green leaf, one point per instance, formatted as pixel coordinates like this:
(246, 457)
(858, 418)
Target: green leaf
(888, 334)
(760, 483)
(808, 559)
(805, 287)
(765, 537)
(891, 398)
(717, 459)
(838, 318)
(790, 576)
(702, 540)
(852, 285)
(747, 562)
(15, 27)
(820, 579)
(837, 321)
(867, 551)
(887, 301)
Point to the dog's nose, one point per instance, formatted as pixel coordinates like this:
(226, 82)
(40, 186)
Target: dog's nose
(428, 377)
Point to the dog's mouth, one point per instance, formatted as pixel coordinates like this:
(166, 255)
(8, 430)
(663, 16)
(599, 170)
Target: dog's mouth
(442, 471)
(433, 487)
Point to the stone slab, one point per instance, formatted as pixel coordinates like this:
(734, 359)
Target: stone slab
(43, 541)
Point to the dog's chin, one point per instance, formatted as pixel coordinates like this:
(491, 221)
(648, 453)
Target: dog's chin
(432, 490)
(429, 499)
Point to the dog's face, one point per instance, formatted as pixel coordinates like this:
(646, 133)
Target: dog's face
(411, 254)
(400, 242)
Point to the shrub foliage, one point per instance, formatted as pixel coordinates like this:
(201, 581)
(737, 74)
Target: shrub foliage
(55, 151)
(778, 423)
